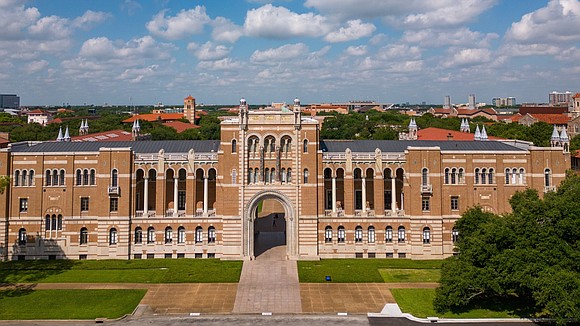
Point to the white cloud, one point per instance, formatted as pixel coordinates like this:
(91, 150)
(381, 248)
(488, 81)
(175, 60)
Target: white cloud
(13, 20)
(135, 75)
(101, 48)
(280, 23)
(468, 57)
(399, 52)
(90, 18)
(209, 51)
(225, 30)
(285, 52)
(223, 64)
(458, 37)
(558, 22)
(185, 23)
(51, 27)
(354, 30)
(356, 50)
(35, 66)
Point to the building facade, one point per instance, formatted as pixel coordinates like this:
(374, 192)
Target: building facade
(9, 101)
(200, 199)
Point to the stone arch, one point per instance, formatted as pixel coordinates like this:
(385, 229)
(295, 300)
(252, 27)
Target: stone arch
(289, 215)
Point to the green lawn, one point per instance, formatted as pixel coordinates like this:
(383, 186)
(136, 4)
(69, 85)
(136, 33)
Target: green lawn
(419, 303)
(68, 304)
(358, 270)
(122, 271)
(410, 275)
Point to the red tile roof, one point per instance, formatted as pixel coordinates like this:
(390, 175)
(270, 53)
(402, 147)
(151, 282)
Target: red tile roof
(38, 111)
(553, 119)
(489, 111)
(180, 126)
(189, 98)
(112, 135)
(151, 117)
(433, 133)
(442, 111)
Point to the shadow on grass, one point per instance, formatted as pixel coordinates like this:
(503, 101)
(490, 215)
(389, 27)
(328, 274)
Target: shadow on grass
(517, 307)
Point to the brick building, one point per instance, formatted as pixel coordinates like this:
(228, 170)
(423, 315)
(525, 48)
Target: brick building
(200, 199)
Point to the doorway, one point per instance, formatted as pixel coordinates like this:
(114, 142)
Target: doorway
(270, 230)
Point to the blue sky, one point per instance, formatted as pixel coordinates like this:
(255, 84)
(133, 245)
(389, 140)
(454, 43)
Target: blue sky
(144, 52)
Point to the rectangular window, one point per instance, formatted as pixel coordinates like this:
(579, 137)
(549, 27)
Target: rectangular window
(84, 204)
(181, 200)
(23, 204)
(113, 204)
(425, 204)
(454, 203)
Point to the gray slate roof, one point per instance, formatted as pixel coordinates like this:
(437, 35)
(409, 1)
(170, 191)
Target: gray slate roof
(147, 146)
(397, 146)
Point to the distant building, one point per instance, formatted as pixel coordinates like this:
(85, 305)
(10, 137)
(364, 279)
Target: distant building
(471, 101)
(39, 116)
(9, 101)
(503, 101)
(447, 103)
(557, 98)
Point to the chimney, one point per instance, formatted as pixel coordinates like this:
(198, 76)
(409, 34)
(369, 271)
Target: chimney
(449, 136)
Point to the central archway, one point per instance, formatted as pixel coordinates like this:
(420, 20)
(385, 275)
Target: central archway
(266, 228)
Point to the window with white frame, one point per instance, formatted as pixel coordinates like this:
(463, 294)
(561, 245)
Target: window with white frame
(84, 236)
(93, 177)
(17, 178)
(211, 234)
(22, 237)
(425, 203)
(114, 178)
(341, 234)
(151, 235)
(371, 234)
(454, 235)
(168, 235)
(113, 236)
(401, 234)
(234, 146)
(389, 234)
(547, 177)
(79, 177)
(476, 176)
(328, 234)
(424, 177)
(84, 204)
(454, 203)
(23, 205)
(358, 234)
(305, 147)
(199, 234)
(447, 177)
(138, 235)
(491, 176)
(305, 175)
(181, 235)
(426, 235)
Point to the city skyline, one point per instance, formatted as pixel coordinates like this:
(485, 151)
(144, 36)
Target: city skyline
(129, 52)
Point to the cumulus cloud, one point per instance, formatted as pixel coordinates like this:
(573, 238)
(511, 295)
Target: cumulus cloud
(224, 30)
(468, 57)
(558, 22)
(135, 75)
(356, 50)
(285, 52)
(223, 64)
(138, 48)
(459, 37)
(280, 23)
(209, 51)
(185, 23)
(35, 66)
(354, 30)
(90, 18)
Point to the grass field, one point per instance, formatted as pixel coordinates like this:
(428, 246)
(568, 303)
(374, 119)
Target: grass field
(366, 270)
(410, 275)
(121, 271)
(68, 304)
(419, 303)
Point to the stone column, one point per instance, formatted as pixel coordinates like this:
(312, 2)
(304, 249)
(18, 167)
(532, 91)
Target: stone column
(146, 197)
(205, 193)
(393, 195)
(175, 198)
(364, 194)
(334, 194)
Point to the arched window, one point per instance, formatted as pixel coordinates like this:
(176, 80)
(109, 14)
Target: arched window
(85, 177)
(62, 175)
(514, 176)
(151, 235)
(22, 237)
(256, 175)
(426, 235)
(522, 176)
(54, 177)
(47, 178)
(401, 234)
(305, 146)
(114, 178)
(267, 175)
(79, 178)
(16, 178)
(491, 177)
(168, 235)
(341, 234)
(454, 176)
(84, 236)
(424, 177)
(199, 234)
(24, 178)
(476, 174)
(250, 175)
(483, 176)
(113, 236)
(138, 235)
(305, 175)
(371, 234)
(234, 146)
(389, 234)
(59, 222)
(181, 235)
(454, 235)
(31, 178)
(358, 234)
(328, 234)
(93, 177)
(547, 178)
(507, 176)
(289, 178)
(283, 174)
(446, 176)
(273, 175)
(211, 235)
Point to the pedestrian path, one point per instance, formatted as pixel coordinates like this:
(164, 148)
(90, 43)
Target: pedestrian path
(269, 284)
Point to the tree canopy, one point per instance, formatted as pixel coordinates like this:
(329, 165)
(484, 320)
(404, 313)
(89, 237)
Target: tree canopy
(529, 258)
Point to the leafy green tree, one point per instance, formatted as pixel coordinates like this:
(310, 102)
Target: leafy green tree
(4, 183)
(528, 258)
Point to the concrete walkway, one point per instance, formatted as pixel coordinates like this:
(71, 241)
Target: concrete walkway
(269, 283)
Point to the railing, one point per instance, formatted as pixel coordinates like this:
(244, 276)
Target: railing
(549, 188)
(200, 213)
(364, 156)
(427, 189)
(328, 212)
(169, 212)
(114, 190)
(371, 212)
(138, 213)
(180, 213)
(176, 157)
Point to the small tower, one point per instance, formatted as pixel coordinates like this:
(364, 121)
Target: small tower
(136, 130)
(483, 134)
(565, 140)
(477, 135)
(297, 115)
(84, 128)
(412, 130)
(59, 138)
(189, 109)
(555, 139)
(464, 126)
(66, 135)
(243, 114)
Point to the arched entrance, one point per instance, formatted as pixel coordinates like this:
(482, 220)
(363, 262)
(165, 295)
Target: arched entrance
(270, 227)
